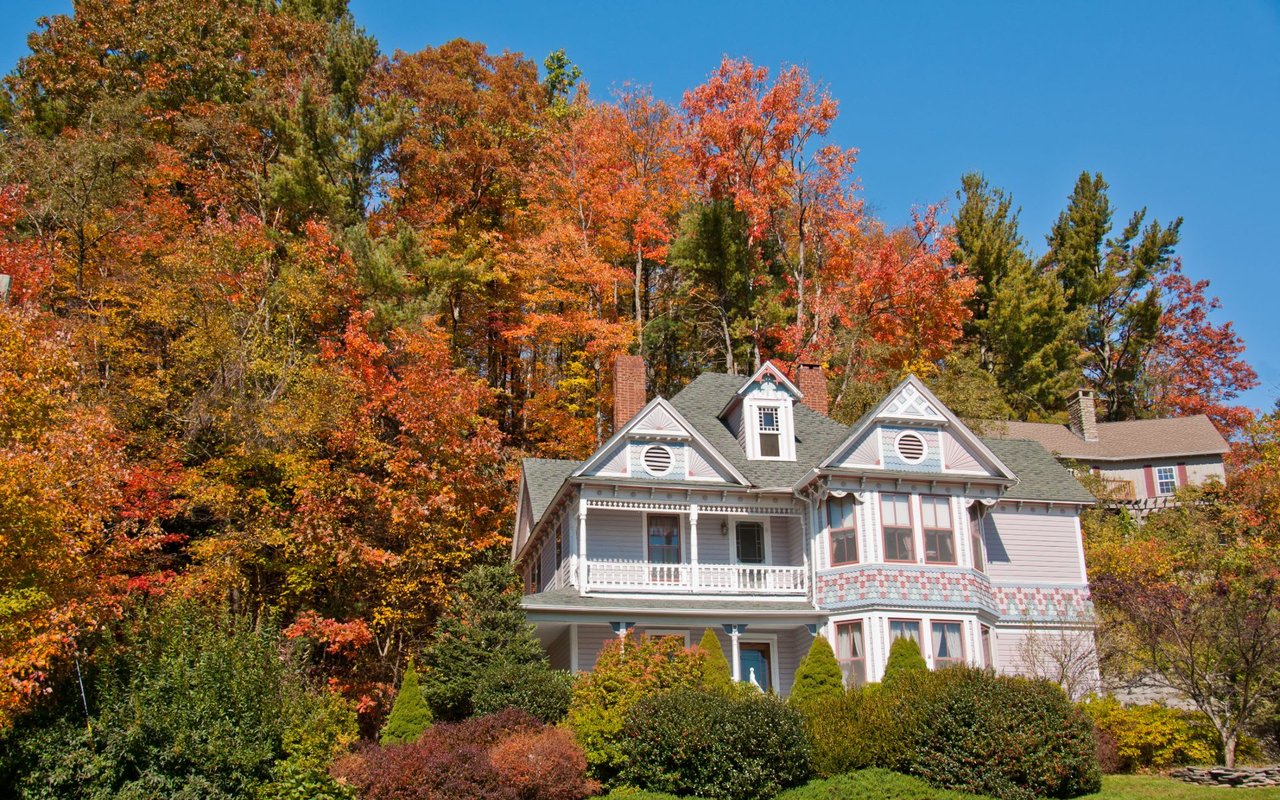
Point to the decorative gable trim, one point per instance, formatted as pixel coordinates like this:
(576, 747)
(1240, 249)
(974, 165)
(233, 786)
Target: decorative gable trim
(524, 518)
(660, 421)
(912, 404)
(767, 369)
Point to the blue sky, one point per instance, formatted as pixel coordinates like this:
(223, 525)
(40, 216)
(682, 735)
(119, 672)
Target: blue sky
(1176, 103)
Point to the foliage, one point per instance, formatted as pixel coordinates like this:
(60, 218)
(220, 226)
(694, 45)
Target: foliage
(717, 676)
(869, 726)
(195, 704)
(818, 679)
(1152, 737)
(878, 783)
(905, 659)
(689, 741)
(536, 688)
(482, 628)
(503, 756)
(410, 715)
(627, 670)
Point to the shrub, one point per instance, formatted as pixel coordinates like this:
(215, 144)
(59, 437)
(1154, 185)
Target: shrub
(717, 676)
(536, 688)
(866, 727)
(873, 783)
(904, 658)
(410, 715)
(1152, 737)
(818, 680)
(626, 670)
(483, 624)
(543, 765)
(505, 756)
(695, 742)
(1010, 738)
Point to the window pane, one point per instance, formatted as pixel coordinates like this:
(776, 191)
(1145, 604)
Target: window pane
(898, 544)
(769, 445)
(840, 512)
(947, 648)
(987, 654)
(904, 628)
(850, 654)
(664, 539)
(895, 511)
(939, 547)
(975, 544)
(769, 420)
(750, 542)
(1168, 482)
(844, 547)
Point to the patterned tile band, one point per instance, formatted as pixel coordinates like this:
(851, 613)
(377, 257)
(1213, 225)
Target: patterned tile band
(951, 590)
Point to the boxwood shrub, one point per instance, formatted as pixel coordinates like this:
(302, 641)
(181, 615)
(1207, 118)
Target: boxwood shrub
(694, 742)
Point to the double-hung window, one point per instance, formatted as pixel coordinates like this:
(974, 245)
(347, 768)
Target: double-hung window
(905, 629)
(769, 431)
(843, 530)
(976, 545)
(948, 647)
(895, 519)
(1166, 480)
(850, 653)
(939, 538)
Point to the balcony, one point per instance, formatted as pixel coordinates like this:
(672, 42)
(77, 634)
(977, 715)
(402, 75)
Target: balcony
(1118, 489)
(643, 576)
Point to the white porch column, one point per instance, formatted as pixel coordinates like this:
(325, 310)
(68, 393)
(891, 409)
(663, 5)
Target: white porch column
(693, 545)
(573, 647)
(735, 650)
(583, 584)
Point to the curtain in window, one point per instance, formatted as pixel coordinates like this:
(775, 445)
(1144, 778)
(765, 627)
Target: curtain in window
(664, 539)
(849, 653)
(899, 628)
(946, 642)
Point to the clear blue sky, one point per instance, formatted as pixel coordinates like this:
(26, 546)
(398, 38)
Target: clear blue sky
(1176, 103)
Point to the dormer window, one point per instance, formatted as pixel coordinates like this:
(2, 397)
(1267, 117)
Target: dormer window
(770, 432)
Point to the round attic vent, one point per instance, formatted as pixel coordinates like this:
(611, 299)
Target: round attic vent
(911, 447)
(657, 459)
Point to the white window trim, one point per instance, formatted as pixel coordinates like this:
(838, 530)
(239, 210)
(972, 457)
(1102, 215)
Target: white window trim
(786, 423)
(1173, 479)
(926, 635)
(733, 540)
(684, 533)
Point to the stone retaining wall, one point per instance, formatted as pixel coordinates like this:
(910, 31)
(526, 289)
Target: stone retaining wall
(1221, 776)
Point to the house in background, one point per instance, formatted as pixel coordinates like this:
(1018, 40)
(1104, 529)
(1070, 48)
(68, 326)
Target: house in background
(739, 506)
(1142, 462)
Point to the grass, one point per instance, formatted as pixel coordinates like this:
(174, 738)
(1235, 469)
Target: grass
(879, 784)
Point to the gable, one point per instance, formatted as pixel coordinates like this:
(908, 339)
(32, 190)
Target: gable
(660, 445)
(912, 431)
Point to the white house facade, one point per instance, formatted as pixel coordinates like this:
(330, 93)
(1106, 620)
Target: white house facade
(734, 506)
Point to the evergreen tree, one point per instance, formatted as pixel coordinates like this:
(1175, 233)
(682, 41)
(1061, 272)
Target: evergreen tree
(716, 675)
(818, 677)
(905, 659)
(1025, 334)
(410, 715)
(1114, 284)
(482, 627)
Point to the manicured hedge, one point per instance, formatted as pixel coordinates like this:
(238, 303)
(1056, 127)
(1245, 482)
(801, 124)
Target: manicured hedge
(695, 742)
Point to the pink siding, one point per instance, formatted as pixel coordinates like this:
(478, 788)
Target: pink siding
(1031, 547)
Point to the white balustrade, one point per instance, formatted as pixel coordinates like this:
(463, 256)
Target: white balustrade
(709, 578)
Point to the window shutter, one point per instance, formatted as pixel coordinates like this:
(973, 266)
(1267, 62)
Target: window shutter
(1150, 474)
(1182, 474)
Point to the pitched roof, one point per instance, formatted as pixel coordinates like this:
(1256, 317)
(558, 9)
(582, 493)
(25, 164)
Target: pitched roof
(700, 404)
(1040, 476)
(1122, 441)
(571, 599)
(544, 477)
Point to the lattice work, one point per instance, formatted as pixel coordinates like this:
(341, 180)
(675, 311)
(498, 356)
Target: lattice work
(911, 404)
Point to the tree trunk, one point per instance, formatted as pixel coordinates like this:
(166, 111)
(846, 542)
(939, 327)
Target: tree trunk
(1229, 742)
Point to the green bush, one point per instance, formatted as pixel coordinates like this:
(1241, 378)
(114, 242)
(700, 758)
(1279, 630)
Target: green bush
(626, 670)
(695, 742)
(880, 784)
(482, 625)
(717, 676)
(1153, 737)
(1011, 738)
(536, 688)
(818, 680)
(905, 658)
(195, 704)
(410, 715)
(866, 727)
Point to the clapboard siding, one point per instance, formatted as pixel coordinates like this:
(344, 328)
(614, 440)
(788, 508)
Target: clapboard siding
(1031, 546)
(559, 651)
(590, 639)
(713, 546)
(1011, 645)
(615, 534)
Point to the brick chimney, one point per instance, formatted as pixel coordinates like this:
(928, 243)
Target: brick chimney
(812, 383)
(628, 389)
(1082, 415)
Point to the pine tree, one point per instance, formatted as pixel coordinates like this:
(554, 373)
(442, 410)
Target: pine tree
(905, 659)
(410, 715)
(716, 675)
(482, 626)
(818, 677)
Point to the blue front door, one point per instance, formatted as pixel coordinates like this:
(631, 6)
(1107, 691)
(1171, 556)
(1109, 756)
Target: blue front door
(753, 660)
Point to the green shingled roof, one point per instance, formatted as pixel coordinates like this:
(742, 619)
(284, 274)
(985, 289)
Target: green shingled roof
(701, 403)
(1040, 476)
(543, 477)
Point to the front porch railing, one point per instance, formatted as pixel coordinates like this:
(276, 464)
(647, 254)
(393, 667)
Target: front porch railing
(617, 575)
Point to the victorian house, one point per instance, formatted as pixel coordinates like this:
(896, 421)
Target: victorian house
(739, 506)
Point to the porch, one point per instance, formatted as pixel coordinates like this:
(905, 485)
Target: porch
(642, 576)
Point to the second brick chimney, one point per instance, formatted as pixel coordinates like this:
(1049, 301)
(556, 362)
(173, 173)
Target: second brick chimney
(812, 383)
(628, 389)
(1082, 415)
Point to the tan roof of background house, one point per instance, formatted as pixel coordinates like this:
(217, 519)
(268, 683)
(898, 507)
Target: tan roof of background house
(1120, 441)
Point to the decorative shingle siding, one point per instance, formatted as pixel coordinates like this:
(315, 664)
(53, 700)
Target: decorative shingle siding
(908, 587)
(933, 457)
(678, 460)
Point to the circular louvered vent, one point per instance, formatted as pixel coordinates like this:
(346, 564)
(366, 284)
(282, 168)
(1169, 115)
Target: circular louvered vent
(657, 459)
(911, 447)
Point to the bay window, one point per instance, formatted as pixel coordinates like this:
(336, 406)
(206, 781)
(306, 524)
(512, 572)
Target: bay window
(850, 653)
(905, 629)
(895, 519)
(948, 646)
(842, 529)
(939, 538)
